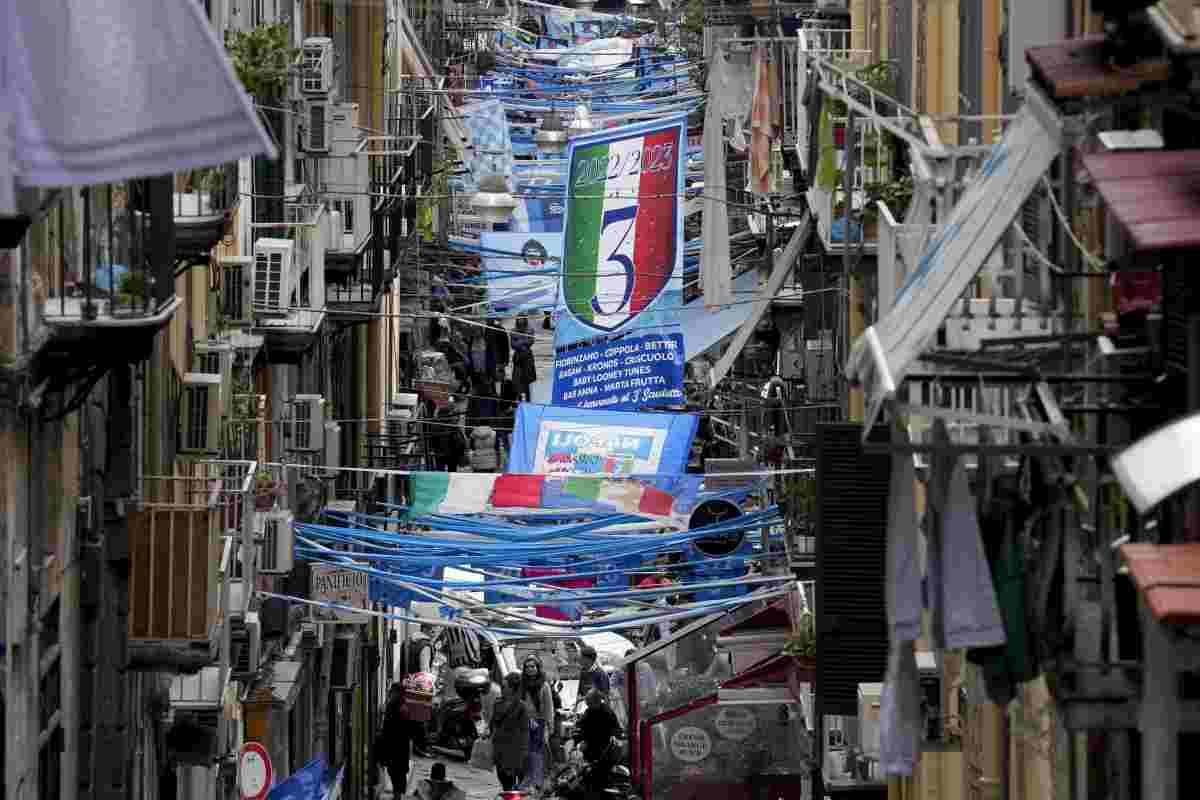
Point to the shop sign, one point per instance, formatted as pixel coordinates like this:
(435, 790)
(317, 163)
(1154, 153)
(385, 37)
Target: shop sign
(691, 744)
(737, 724)
(345, 587)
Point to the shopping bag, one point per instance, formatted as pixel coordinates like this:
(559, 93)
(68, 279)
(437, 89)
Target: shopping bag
(481, 755)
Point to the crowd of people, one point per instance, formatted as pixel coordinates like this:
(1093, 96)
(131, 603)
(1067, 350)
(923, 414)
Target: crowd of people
(520, 729)
(492, 368)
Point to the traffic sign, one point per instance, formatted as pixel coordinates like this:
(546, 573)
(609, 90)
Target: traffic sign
(255, 774)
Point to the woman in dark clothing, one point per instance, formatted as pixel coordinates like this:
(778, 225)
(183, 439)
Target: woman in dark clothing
(524, 371)
(536, 691)
(393, 746)
(510, 734)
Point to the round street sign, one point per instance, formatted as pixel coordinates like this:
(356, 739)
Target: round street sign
(254, 771)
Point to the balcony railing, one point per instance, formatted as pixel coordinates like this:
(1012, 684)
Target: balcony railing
(105, 257)
(204, 204)
(176, 550)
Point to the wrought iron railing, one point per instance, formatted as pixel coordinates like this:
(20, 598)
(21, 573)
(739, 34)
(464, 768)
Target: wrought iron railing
(204, 193)
(106, 252)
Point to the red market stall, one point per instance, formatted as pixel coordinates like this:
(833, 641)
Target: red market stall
(715, 709)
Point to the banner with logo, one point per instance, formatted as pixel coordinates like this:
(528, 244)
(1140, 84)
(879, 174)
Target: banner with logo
(555, 440)
(540, 207)
(618, 344)
(526, 280)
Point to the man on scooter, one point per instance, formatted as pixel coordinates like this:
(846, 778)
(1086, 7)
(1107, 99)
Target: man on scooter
(597, 727)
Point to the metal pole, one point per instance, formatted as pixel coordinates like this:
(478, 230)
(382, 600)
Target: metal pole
(843, 349)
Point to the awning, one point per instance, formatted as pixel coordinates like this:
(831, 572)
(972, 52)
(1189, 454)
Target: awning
(774, 670)
(1169, 576)
(883, 354)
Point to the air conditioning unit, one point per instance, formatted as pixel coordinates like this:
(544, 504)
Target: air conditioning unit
(316, 68)
(245, 639)
(277, 544)
(216, 358)
(346, 134)
(271, 287)
(200, 414)
(237, 281)
(308, 422)
(316, 127)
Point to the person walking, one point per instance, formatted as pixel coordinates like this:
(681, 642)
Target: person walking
(392, 748)
(591, 674)
(510, 734)
(536, 691)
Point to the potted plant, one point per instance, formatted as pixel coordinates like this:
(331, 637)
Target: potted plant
(897, 194)
(263, 59)
(267, 490)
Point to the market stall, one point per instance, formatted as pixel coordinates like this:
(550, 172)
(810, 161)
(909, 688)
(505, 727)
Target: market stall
(709, 718)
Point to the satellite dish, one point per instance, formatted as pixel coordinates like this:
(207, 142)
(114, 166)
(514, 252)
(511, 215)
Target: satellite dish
(712, 512)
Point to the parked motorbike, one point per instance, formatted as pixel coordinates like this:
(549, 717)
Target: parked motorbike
(603, 778)
(457, 722)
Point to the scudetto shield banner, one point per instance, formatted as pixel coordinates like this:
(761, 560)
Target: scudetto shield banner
(618, 344)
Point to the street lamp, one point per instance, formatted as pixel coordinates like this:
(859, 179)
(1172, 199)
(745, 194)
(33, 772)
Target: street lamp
(492, 201)
(552, 137)
(582, 123)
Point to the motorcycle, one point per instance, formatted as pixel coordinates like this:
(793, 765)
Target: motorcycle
(457, 722)
(602, 778)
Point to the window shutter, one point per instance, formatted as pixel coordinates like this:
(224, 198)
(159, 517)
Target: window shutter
(852, 502)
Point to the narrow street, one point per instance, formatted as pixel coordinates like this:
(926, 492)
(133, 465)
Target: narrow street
(479, 784)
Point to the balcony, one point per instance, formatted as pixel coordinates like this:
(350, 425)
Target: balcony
(178, 598)
(204, 204)
(103, 262)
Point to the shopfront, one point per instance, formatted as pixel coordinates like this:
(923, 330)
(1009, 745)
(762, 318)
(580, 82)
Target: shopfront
(704, 723)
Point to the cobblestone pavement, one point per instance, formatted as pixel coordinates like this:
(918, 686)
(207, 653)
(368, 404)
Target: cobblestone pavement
(477, 783)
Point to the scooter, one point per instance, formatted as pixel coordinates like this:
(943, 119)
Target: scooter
(603, 778)
(457, 722)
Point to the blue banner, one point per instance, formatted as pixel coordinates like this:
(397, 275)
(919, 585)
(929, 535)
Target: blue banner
(625, 373)
(553, 439)
(622, 269)
(527, 280)
(306, 783)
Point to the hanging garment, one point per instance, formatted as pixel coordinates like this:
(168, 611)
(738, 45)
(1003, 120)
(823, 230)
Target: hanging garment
(730, 87)
(1004, 668)
(146, 90)
(959, 591)
(762, 123)
(900, 717)
(903, 549)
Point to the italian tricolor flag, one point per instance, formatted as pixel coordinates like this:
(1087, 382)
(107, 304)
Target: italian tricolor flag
(620, 236)
(450, 492)
(629, 496)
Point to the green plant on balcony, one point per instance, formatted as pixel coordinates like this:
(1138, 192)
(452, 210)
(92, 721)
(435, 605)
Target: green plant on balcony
(263, 59)
(878, 76)
(133, 286)
(803, 644)
(896, 193)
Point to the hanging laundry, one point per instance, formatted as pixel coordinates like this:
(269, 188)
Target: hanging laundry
(147, 90)
(730, 87)
(765, 119)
